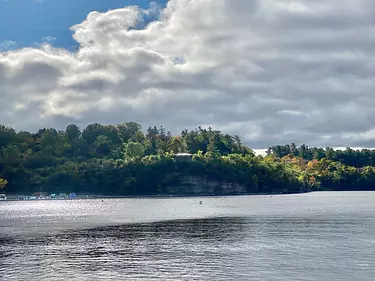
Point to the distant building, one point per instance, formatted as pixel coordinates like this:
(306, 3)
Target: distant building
(183, 157)
(72, 195)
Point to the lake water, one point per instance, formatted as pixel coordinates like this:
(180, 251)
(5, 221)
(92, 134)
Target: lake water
(316, 236)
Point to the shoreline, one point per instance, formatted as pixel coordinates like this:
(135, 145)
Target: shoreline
(13, 198)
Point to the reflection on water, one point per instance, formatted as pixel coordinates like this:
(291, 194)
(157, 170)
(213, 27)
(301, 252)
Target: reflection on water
(325, 243)
(173, 250)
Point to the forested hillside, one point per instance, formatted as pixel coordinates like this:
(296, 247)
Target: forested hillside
(123, 160)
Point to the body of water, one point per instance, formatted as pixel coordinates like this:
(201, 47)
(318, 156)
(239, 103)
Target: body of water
(318, 236)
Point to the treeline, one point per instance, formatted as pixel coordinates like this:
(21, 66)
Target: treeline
(329, 168)
(356, 158)
(124, 160)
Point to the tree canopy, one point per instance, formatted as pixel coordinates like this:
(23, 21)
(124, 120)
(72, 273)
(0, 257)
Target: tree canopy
(124, 160)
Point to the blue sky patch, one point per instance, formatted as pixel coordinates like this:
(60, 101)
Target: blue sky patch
(32, 22)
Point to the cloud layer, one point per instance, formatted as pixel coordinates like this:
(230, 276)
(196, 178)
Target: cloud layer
(272, 71)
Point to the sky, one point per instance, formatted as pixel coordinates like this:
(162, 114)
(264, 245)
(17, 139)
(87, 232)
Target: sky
(271, 71)
(25, 23)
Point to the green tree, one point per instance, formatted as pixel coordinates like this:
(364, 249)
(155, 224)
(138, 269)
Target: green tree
(7, 135)
(134, 150)
(72, 132)
(130, 131)
(176, 145)
(11, 155)
(102, 145)
(48, 141)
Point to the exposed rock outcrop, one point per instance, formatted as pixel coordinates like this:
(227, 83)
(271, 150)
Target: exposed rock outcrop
(199, 185)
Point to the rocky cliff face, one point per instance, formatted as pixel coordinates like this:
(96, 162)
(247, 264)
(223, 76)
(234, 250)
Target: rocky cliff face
(200, 185)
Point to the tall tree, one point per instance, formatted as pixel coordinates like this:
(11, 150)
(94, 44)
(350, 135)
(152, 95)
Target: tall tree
(73, 132)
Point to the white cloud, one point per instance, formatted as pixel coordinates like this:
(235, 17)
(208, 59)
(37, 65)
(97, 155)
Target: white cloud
(272, 71)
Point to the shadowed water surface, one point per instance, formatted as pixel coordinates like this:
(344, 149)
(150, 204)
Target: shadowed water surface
(318, 236)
